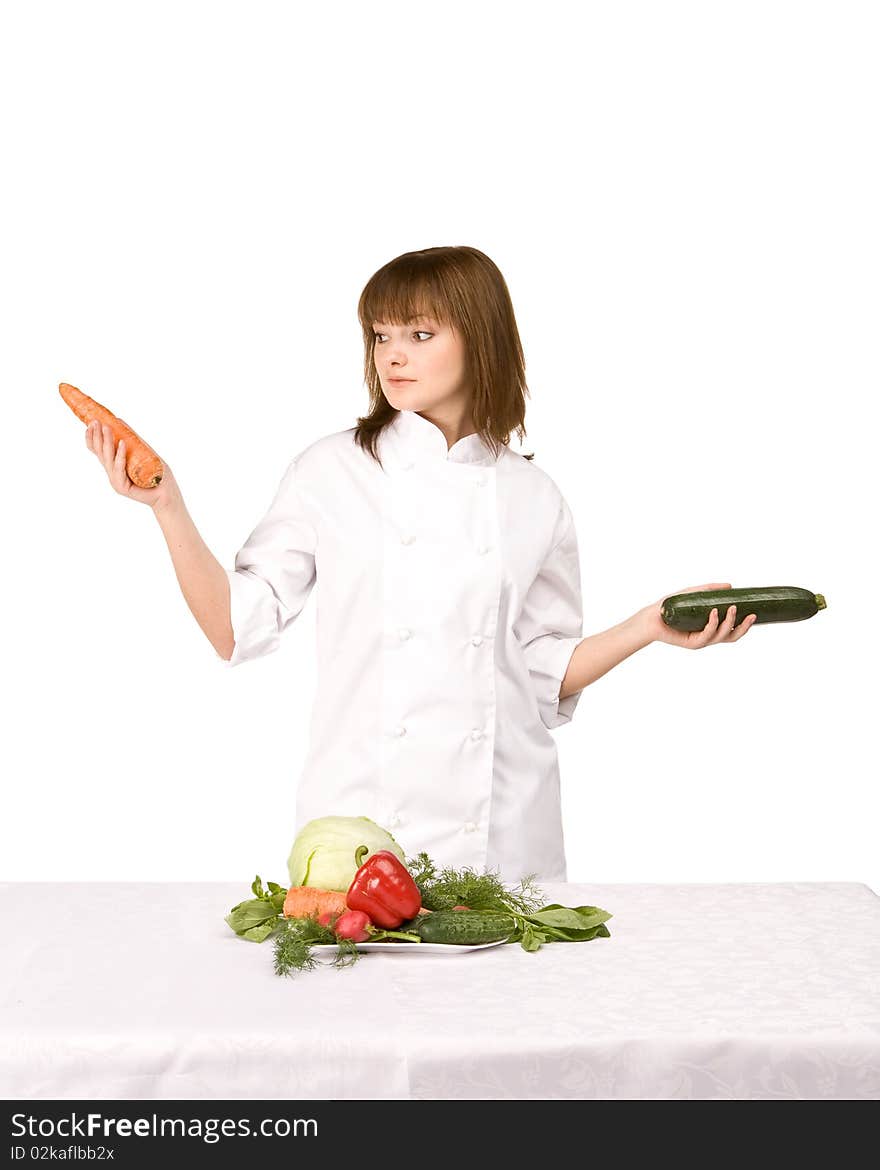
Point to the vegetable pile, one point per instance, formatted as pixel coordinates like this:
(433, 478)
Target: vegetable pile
(386, 897)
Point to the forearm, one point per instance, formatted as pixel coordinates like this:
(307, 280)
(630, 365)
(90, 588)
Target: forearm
(202, 579)
(596, 655)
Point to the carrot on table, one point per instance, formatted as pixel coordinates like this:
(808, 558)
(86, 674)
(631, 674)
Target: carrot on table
(144, 467)
(303, 901)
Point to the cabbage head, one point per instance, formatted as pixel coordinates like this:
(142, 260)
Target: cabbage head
(323, 853)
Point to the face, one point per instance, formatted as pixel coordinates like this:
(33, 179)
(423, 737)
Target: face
(432, 356)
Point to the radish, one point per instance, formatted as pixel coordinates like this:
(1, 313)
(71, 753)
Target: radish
(353, 924)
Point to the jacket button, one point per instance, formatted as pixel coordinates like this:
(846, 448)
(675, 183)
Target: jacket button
(469, 827)
(476, 733)
(404, 634)
(484, 548)
(476, 640)
(480, 481)
(408, 539)
(400, 729)
(407, 466)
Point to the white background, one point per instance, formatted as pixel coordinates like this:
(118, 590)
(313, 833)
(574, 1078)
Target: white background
(683, 200)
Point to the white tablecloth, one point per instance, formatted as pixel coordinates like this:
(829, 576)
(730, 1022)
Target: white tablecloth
(702, 991)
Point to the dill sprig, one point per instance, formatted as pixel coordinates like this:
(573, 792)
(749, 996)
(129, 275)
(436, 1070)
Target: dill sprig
(347, 954)
(294, 941)
(444, 888)
(292, 954)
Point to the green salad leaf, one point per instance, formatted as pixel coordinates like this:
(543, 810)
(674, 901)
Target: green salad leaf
(258, 917)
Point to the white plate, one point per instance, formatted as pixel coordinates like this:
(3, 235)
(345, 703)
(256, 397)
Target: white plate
(423, 948)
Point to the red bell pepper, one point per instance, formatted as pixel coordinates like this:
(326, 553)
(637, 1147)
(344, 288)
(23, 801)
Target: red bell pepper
(383, 888)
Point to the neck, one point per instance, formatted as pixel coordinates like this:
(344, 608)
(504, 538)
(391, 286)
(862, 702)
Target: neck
(455, 425)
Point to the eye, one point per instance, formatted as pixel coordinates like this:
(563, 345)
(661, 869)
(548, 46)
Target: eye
(376, 336)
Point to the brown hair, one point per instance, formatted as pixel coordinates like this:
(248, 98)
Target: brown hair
(461, 287)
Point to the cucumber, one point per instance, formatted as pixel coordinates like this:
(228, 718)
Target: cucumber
(769, 603)
(464, 927)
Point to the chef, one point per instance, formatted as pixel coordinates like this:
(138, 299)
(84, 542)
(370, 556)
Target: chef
(449, 602)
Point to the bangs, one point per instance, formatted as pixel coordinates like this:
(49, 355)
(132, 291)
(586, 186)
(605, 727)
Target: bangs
(397, 302)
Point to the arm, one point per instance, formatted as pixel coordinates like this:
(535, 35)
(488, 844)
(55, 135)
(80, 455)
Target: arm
(596, 655)
(201, 577)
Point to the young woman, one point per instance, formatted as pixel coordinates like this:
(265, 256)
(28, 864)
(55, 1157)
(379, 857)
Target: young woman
(449, 621)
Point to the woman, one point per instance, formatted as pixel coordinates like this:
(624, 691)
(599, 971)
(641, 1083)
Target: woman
(449, 621)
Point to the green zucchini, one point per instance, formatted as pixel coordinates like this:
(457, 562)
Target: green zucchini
(464, 927)
(770, 603)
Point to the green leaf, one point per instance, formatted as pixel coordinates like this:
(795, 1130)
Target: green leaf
(249, 914)
(570, 918)
(553, 934)
(531, 938)
(257, 887)
(260, 933)
(573, 936)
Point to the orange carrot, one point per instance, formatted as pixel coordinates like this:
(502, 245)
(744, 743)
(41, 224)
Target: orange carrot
(303, 901)
(144, 467)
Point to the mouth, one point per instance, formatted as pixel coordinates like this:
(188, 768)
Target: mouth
(400, 381)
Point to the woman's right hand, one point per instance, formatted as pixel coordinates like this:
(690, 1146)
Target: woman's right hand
(99, 439)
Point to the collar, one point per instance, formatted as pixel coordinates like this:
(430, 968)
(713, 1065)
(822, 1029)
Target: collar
(416, 437)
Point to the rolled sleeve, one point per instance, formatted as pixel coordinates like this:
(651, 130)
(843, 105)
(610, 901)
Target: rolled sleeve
(274, 574)
(550, 624)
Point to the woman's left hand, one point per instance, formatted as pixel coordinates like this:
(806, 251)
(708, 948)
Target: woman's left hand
(713, 632)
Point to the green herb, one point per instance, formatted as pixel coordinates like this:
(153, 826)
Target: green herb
(261, 915)
(465, 887)
(293, 946)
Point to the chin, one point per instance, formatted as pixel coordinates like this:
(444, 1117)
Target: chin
(402, 399)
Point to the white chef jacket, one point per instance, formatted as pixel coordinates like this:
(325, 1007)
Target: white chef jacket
(449, 606)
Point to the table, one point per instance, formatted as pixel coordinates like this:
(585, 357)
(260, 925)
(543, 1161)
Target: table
(703, 991)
